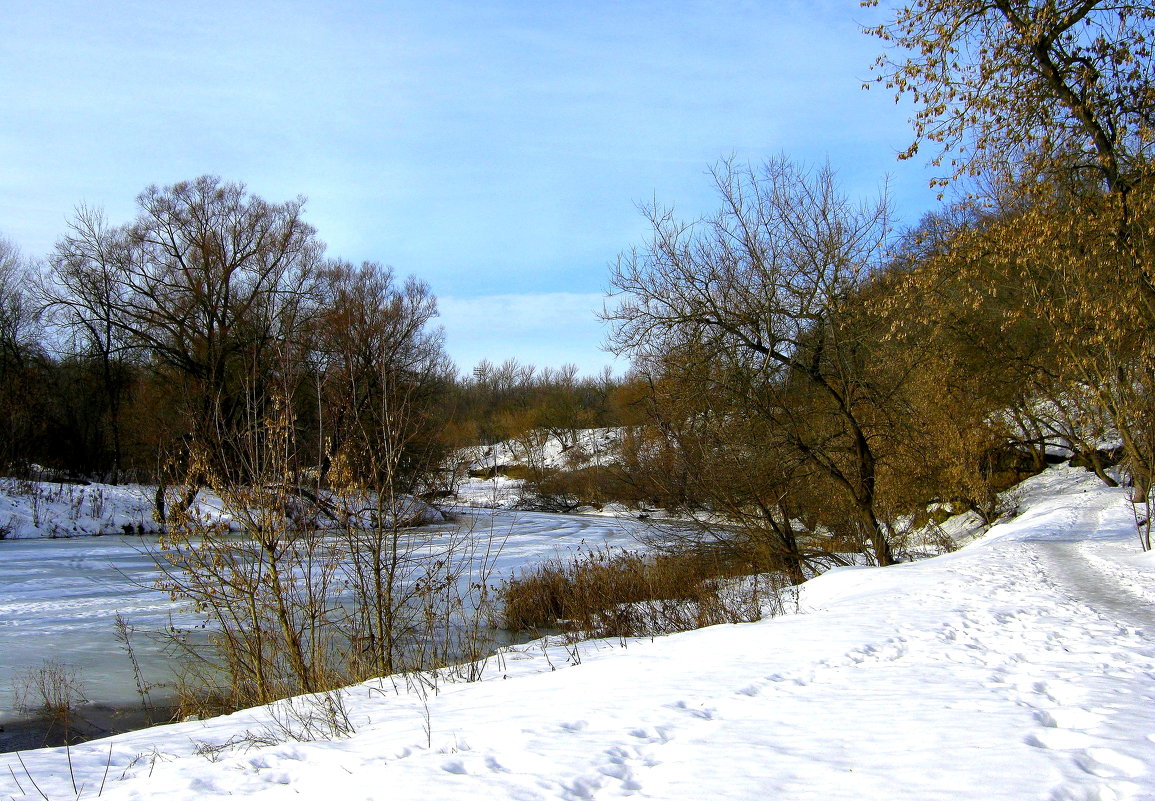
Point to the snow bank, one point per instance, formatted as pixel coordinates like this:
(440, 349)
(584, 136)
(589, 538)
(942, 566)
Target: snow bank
(572, 450)
(51, 509)
(61, 509)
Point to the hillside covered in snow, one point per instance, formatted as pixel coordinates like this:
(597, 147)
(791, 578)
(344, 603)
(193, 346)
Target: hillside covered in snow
(1019, 667)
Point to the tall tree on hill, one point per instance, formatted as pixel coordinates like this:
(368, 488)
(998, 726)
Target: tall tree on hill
(80, 295)
(21, 422)
(382, 370)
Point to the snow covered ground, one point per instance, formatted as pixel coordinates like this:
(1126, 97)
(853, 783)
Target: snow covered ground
(498, 492)
(37, 509)
(576, 448)
(1020, 667)
(582, 448)
(53, 509)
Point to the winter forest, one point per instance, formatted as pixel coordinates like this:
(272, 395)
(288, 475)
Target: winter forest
(868, 515)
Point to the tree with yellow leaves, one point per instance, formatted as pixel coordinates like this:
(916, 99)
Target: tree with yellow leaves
(1052, 104)
(1044, 84)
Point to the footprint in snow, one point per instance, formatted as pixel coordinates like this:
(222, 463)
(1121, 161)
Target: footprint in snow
(205, 786)
(1058, 739)
(618, 757)
(659, 734)
(1070, 718)
(581, 789)
(1108, 763)
(1063, 694)
(495, 766)
(291, 753)
(702, 713)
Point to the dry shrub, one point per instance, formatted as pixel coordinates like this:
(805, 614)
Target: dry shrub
(51, 692)
(597, 485)
(611, 593)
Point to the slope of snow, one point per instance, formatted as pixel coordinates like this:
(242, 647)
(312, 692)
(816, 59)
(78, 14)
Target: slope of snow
(582, 447)
(1019, 667)
(53, 509)
(30, 509)
(498, 492)
(486, 484)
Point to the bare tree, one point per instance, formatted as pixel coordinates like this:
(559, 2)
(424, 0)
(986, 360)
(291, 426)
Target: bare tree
(759, 300)
(378, 357)
(20, 360)
(19, 329)
(208, 282)
(383, 374)
(82, 295)
(336, 582)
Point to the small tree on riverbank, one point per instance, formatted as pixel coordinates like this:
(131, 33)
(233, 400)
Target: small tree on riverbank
(756, 313)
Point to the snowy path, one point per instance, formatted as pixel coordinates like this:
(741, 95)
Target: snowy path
(1001, 672)
(1070, 568)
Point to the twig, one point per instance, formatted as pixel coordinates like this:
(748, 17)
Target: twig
(29, 775)
(68, 756)
(18, 785)
(103, 778)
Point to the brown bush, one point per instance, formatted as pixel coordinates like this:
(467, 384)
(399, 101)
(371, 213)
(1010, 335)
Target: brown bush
(610, 593)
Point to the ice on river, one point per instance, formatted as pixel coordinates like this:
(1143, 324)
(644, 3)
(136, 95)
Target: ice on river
(1020, 667)
(58, 601)
(59, 597)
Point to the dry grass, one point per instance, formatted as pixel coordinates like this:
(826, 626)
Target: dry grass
(53, 689)
(51, 692)
(610, 593)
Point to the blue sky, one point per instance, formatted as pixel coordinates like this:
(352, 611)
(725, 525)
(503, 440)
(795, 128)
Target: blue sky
(496, 150)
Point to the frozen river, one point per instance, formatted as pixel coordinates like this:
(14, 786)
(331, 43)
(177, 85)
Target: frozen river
(59, 597)
(58, 601)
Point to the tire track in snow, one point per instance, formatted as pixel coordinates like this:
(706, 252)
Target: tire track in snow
(1072, 573)
(1080, 723)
